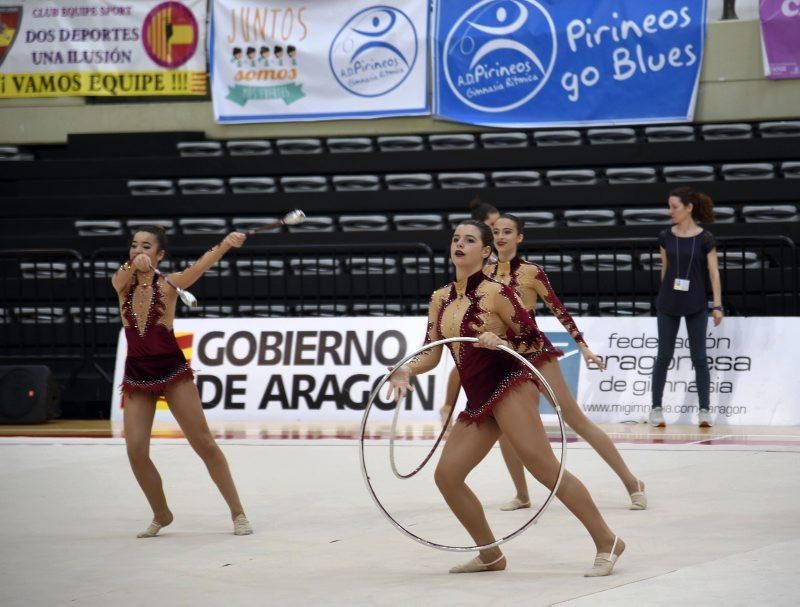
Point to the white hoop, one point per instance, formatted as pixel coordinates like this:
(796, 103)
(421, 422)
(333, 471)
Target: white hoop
(365, 474)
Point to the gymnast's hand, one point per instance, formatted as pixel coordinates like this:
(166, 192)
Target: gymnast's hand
(399, 384)
(236, 239)
(490, 341)
(142, 262)
(592, 359)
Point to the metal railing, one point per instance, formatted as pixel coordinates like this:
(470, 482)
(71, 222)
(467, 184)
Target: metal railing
(56, 304)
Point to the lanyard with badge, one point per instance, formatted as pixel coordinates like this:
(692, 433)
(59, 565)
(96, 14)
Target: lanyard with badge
(682, 284)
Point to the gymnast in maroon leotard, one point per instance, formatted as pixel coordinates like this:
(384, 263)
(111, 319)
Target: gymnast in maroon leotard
(155, 365)
(502, 398)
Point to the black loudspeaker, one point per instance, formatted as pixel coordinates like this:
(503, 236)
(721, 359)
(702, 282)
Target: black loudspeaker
(28, 395)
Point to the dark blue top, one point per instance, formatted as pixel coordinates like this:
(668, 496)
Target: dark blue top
(679, 254)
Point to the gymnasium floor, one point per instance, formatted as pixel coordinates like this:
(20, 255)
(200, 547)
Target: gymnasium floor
(723, 525)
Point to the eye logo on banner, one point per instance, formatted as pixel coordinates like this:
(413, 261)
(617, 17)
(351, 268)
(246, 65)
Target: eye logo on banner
(493, 60)
(374, 52)
(170, 34)
(10, 18)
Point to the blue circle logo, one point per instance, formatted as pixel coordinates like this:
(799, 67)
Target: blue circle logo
(374, 52)
(500, 53)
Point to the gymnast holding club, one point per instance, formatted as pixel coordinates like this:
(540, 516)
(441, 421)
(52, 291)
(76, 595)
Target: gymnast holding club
(155, 365)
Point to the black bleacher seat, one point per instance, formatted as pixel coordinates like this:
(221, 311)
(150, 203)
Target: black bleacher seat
(749, 170)
(249, 147)
(314, 266)
(423, 265)
(453, 219)
(260, 267)
(648, 216)
(353, 183)
(418, 221)
(401, 143)
(791, 169)
(34, 315)
(314, 223)
(151, 187)
(12, 153)
(567, 177)
(631, 175)
(516, 179)
(452, 141)
(783, 128)
(189, 149)
(724, 215)
(650, 260)
(554, 262)
(222, 268)
(409, 181)
(741, 259)
(98, 314)
(263, 310)
(461, 180)
(536, 219)
(314, 308)
(243, 224)
(590, 217)
(669, 134)
(563, 137)
(764, 213)
(98, 227)
(43, 269)
(364, 223)
(207, 185)
(252, 185)
(308, 145)
(506, 139)
(96, 269)
(694, 172)
(209, 311)
(372, 265)
(167, 224)
(578, 308)
(349, 145)
(304, 183)
(417, 309)
(203, 225)
(606, 262)
(621, 307)
(377, 309)
(739, 130)
(611, 135)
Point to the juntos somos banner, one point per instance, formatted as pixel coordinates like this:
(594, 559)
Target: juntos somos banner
(312, 369)
(287, 60)
(50, 48)
(532, 63)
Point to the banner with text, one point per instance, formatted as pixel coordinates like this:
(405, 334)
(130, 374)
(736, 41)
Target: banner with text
(95, 48)
(315, 61)
(310, 369)
(538, 63)
(780, 37)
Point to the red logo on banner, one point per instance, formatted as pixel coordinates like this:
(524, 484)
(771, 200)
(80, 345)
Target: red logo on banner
(10, 19)
(170, 34)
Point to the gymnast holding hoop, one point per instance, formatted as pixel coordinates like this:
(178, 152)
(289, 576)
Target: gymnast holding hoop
(501, 398)
(530, 282)
(156, 365)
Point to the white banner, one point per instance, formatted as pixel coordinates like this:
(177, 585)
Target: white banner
(287, 60)
(313, 369)
(96, 48)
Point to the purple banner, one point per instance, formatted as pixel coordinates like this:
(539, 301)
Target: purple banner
(780, 37)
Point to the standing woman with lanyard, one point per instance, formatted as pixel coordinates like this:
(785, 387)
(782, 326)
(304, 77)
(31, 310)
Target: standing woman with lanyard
(688, 257)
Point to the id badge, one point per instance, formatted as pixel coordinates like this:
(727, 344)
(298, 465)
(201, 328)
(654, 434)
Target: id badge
(681, 284)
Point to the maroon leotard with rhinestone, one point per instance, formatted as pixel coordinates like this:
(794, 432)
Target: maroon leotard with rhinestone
(154, 361)
(469, 308)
